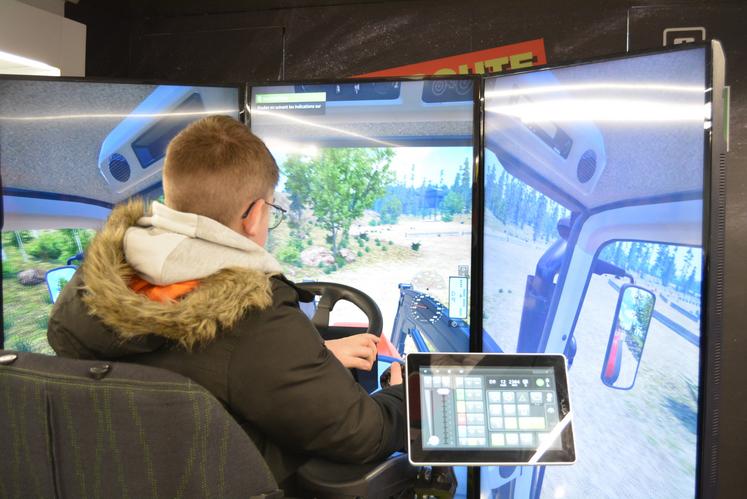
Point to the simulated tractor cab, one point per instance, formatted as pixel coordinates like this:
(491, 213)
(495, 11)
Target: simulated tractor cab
(614, 152)
(557, 211)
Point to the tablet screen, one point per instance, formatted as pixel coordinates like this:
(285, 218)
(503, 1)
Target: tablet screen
(481, 409)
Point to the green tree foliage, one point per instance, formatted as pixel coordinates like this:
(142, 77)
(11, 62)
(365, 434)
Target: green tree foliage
(18, 239)
(339, 185)
(664, 266)
(22, 345)
(463, 183)
(692, 286)
(10, 238)
(685, 281)
(291, 252)
(391, 209)
(674, 266)
(51, 245)
(540, 216)
(10, 269)
(517, 204)
(644, 308)
(491, 201)
(644, 264)
(643, 305)
(452, 204)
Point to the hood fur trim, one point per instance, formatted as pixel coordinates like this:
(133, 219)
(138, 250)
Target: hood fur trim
(218, 302)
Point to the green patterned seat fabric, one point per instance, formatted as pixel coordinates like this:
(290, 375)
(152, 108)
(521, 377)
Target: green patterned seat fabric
(138, 432)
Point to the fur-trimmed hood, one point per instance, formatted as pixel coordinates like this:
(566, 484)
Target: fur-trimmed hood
(219, 300)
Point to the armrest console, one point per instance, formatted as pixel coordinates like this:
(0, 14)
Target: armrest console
(327, 479)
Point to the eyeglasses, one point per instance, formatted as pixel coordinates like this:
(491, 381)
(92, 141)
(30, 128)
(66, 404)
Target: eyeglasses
(277, 214)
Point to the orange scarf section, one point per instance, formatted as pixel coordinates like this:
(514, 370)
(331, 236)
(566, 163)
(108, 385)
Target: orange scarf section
(164, 294)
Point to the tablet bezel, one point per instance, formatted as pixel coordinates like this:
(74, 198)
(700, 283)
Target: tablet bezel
(486, 457)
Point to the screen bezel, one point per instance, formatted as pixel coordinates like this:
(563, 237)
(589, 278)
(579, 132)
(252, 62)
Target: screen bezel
(482, 457)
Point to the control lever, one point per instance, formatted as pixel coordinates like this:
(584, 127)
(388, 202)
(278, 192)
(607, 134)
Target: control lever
(386, 376)
(435, 481)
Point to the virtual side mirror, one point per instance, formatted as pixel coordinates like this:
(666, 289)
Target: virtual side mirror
(635, 307)
(57, 278)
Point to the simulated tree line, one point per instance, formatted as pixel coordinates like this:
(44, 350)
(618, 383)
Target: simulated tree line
(427, 200)
(341, 183)
(516, 204)
(659, 261)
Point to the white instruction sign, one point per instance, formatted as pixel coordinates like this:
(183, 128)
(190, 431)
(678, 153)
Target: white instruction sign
(458, 297)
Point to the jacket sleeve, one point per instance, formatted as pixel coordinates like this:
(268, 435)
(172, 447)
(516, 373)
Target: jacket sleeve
(287, 384)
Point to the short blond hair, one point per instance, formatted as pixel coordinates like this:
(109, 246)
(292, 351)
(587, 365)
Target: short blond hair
(215, 167)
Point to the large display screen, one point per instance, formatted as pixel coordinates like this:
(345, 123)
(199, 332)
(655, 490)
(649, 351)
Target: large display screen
(377, 178)
(70, 150)
(593, 247)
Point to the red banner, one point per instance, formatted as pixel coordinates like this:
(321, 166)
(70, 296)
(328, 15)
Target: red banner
(489, 61)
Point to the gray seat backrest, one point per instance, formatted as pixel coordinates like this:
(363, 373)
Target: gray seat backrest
(135, 432)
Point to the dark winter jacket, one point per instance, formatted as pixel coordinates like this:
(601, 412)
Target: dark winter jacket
(241, 335)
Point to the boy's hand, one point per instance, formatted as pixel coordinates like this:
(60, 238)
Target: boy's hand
(395, 378)
(392, 375)
(355, 352)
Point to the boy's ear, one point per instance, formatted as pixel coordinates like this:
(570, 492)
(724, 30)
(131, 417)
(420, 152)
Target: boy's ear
(252, 224)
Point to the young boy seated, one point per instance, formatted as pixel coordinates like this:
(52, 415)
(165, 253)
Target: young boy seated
(188, 286)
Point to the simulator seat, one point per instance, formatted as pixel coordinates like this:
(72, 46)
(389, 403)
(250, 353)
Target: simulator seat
(79, 428)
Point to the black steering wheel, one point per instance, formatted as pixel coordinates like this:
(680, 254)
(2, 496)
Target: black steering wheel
(331, 293)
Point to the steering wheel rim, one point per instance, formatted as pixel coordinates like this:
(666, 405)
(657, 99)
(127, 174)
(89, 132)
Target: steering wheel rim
(332, 292)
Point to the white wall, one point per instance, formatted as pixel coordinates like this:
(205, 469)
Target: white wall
(43, 36)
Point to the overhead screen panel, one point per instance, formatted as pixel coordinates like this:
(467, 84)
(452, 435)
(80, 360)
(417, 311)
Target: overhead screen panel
(377, 177)
(593, 248)
(69, 150)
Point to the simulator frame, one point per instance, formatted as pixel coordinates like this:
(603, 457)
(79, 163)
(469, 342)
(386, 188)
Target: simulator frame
(26, 207)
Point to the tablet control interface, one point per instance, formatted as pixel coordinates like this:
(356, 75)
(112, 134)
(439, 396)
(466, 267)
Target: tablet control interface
(489, 407)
